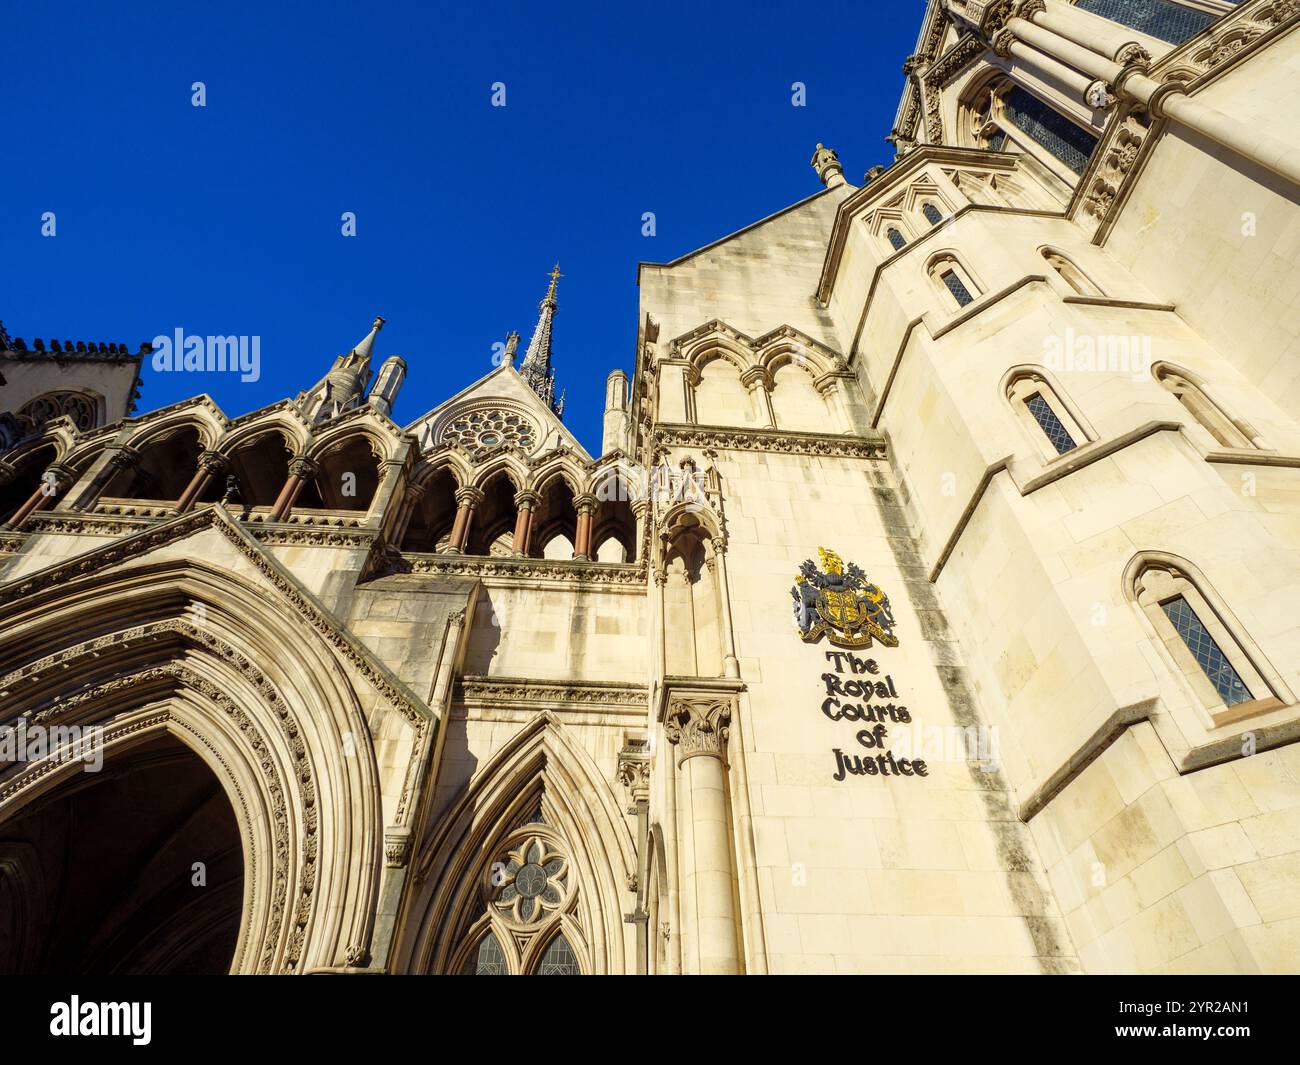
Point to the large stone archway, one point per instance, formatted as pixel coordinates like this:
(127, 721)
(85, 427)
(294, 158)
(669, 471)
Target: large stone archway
(134, 868)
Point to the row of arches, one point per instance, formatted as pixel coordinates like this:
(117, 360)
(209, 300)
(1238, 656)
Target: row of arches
(176, 464)
(502, 511)
(1057, 425)
(504, 508)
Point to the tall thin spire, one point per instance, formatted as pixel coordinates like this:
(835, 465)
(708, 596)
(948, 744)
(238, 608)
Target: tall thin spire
(536, 370)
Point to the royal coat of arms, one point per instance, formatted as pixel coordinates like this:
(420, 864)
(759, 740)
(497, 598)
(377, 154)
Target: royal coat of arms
(839, 602)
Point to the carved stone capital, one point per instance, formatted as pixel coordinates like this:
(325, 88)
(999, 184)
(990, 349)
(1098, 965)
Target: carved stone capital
(214, 462)
(585, 504)
(755, 376)
(526, 499)
(124, 458)
(397, 847)
(469, 496)
(302, 467)
(634, 774)
(699, 726)
(1002, 41)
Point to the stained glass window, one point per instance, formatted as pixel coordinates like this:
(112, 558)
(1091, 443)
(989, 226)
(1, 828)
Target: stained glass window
(487, 959)
(957, 287)
(1156, 18)
(896, 239)
(559, 959)
(1069, 143)
(1209, 656)
(1051, 425)
(932, 214)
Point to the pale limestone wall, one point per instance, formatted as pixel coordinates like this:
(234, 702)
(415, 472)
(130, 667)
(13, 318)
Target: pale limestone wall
(1232, 275)
(1158, 872)
(554, 632)
(866, 874)
(109, 383)
(762, 278)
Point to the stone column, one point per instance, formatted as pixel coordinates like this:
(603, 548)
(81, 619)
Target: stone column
(113, 461)
(640, 511)
(211, 464)
(467, 499)
(698, 726)
(390, 479)
(53, 481)
(1044, 66)
(586, 507)
(1106, 38)
(525, 502)
(730, 665)
(758, 383)
(634, 775)
(301, 470)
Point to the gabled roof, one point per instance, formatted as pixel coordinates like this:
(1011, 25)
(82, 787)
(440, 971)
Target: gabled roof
(503, 384)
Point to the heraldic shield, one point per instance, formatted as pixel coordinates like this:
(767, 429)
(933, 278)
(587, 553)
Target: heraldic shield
(839, 602)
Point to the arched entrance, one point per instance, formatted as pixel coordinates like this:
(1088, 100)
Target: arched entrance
(136, 868)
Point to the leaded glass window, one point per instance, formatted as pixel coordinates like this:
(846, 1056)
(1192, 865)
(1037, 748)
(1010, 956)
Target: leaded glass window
(896, 239)
(487, 959)
(932, 214)
(559, 959)
(1157, 18)
(1051, 425)
(957, 287)
(997, 140)
(1069, 143)
(1209, 656)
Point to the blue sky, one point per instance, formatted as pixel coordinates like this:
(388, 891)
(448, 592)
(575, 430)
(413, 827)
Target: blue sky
(225, 219)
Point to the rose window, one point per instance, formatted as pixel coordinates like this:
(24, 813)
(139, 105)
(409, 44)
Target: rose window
(482, 430)
(531, 882)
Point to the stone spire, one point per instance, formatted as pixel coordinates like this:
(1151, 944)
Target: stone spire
(344, 387)
(536, 370)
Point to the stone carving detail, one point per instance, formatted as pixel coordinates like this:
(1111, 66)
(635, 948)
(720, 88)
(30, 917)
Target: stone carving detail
(564, 571)
(634, 773)
(699, 726)
(773, 440)
(495, 691)
(1116, 164)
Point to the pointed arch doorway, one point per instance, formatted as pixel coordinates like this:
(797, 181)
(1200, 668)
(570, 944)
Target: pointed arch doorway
(135, 869)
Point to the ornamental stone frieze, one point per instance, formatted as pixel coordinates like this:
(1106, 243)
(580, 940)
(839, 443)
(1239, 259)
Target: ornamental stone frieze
(783, 441)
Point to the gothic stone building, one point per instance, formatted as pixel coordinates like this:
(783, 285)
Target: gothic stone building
(929, 607)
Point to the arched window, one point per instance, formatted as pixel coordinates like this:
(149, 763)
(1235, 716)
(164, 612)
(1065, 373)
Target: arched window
(1043, 413)
(1162, 19)
(953, 279)
(524, 908)
(1204, 640)
(1004, 109)
(932, 214)
(559, 959)
(487, 959)
(1226, 430)
(1071, 274)
(896, 238)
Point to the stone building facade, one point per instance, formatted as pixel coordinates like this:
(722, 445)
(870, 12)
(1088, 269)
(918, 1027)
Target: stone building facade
(929, 607)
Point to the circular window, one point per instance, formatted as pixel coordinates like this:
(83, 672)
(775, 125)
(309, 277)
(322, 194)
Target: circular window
(482, 430)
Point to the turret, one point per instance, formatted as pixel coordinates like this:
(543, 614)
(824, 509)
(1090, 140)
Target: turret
(388, 382)
(615, 433)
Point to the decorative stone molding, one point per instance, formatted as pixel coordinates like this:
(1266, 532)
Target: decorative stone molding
(945, 70)
(521, 692)
(781, 441)
(699, 726)
(561, 571)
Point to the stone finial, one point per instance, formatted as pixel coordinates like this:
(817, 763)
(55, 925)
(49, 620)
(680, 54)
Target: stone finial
(827, 165)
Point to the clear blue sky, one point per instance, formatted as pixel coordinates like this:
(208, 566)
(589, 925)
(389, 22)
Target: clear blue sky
(225, 219)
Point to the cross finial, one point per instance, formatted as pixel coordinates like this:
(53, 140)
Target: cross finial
(554, 275)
